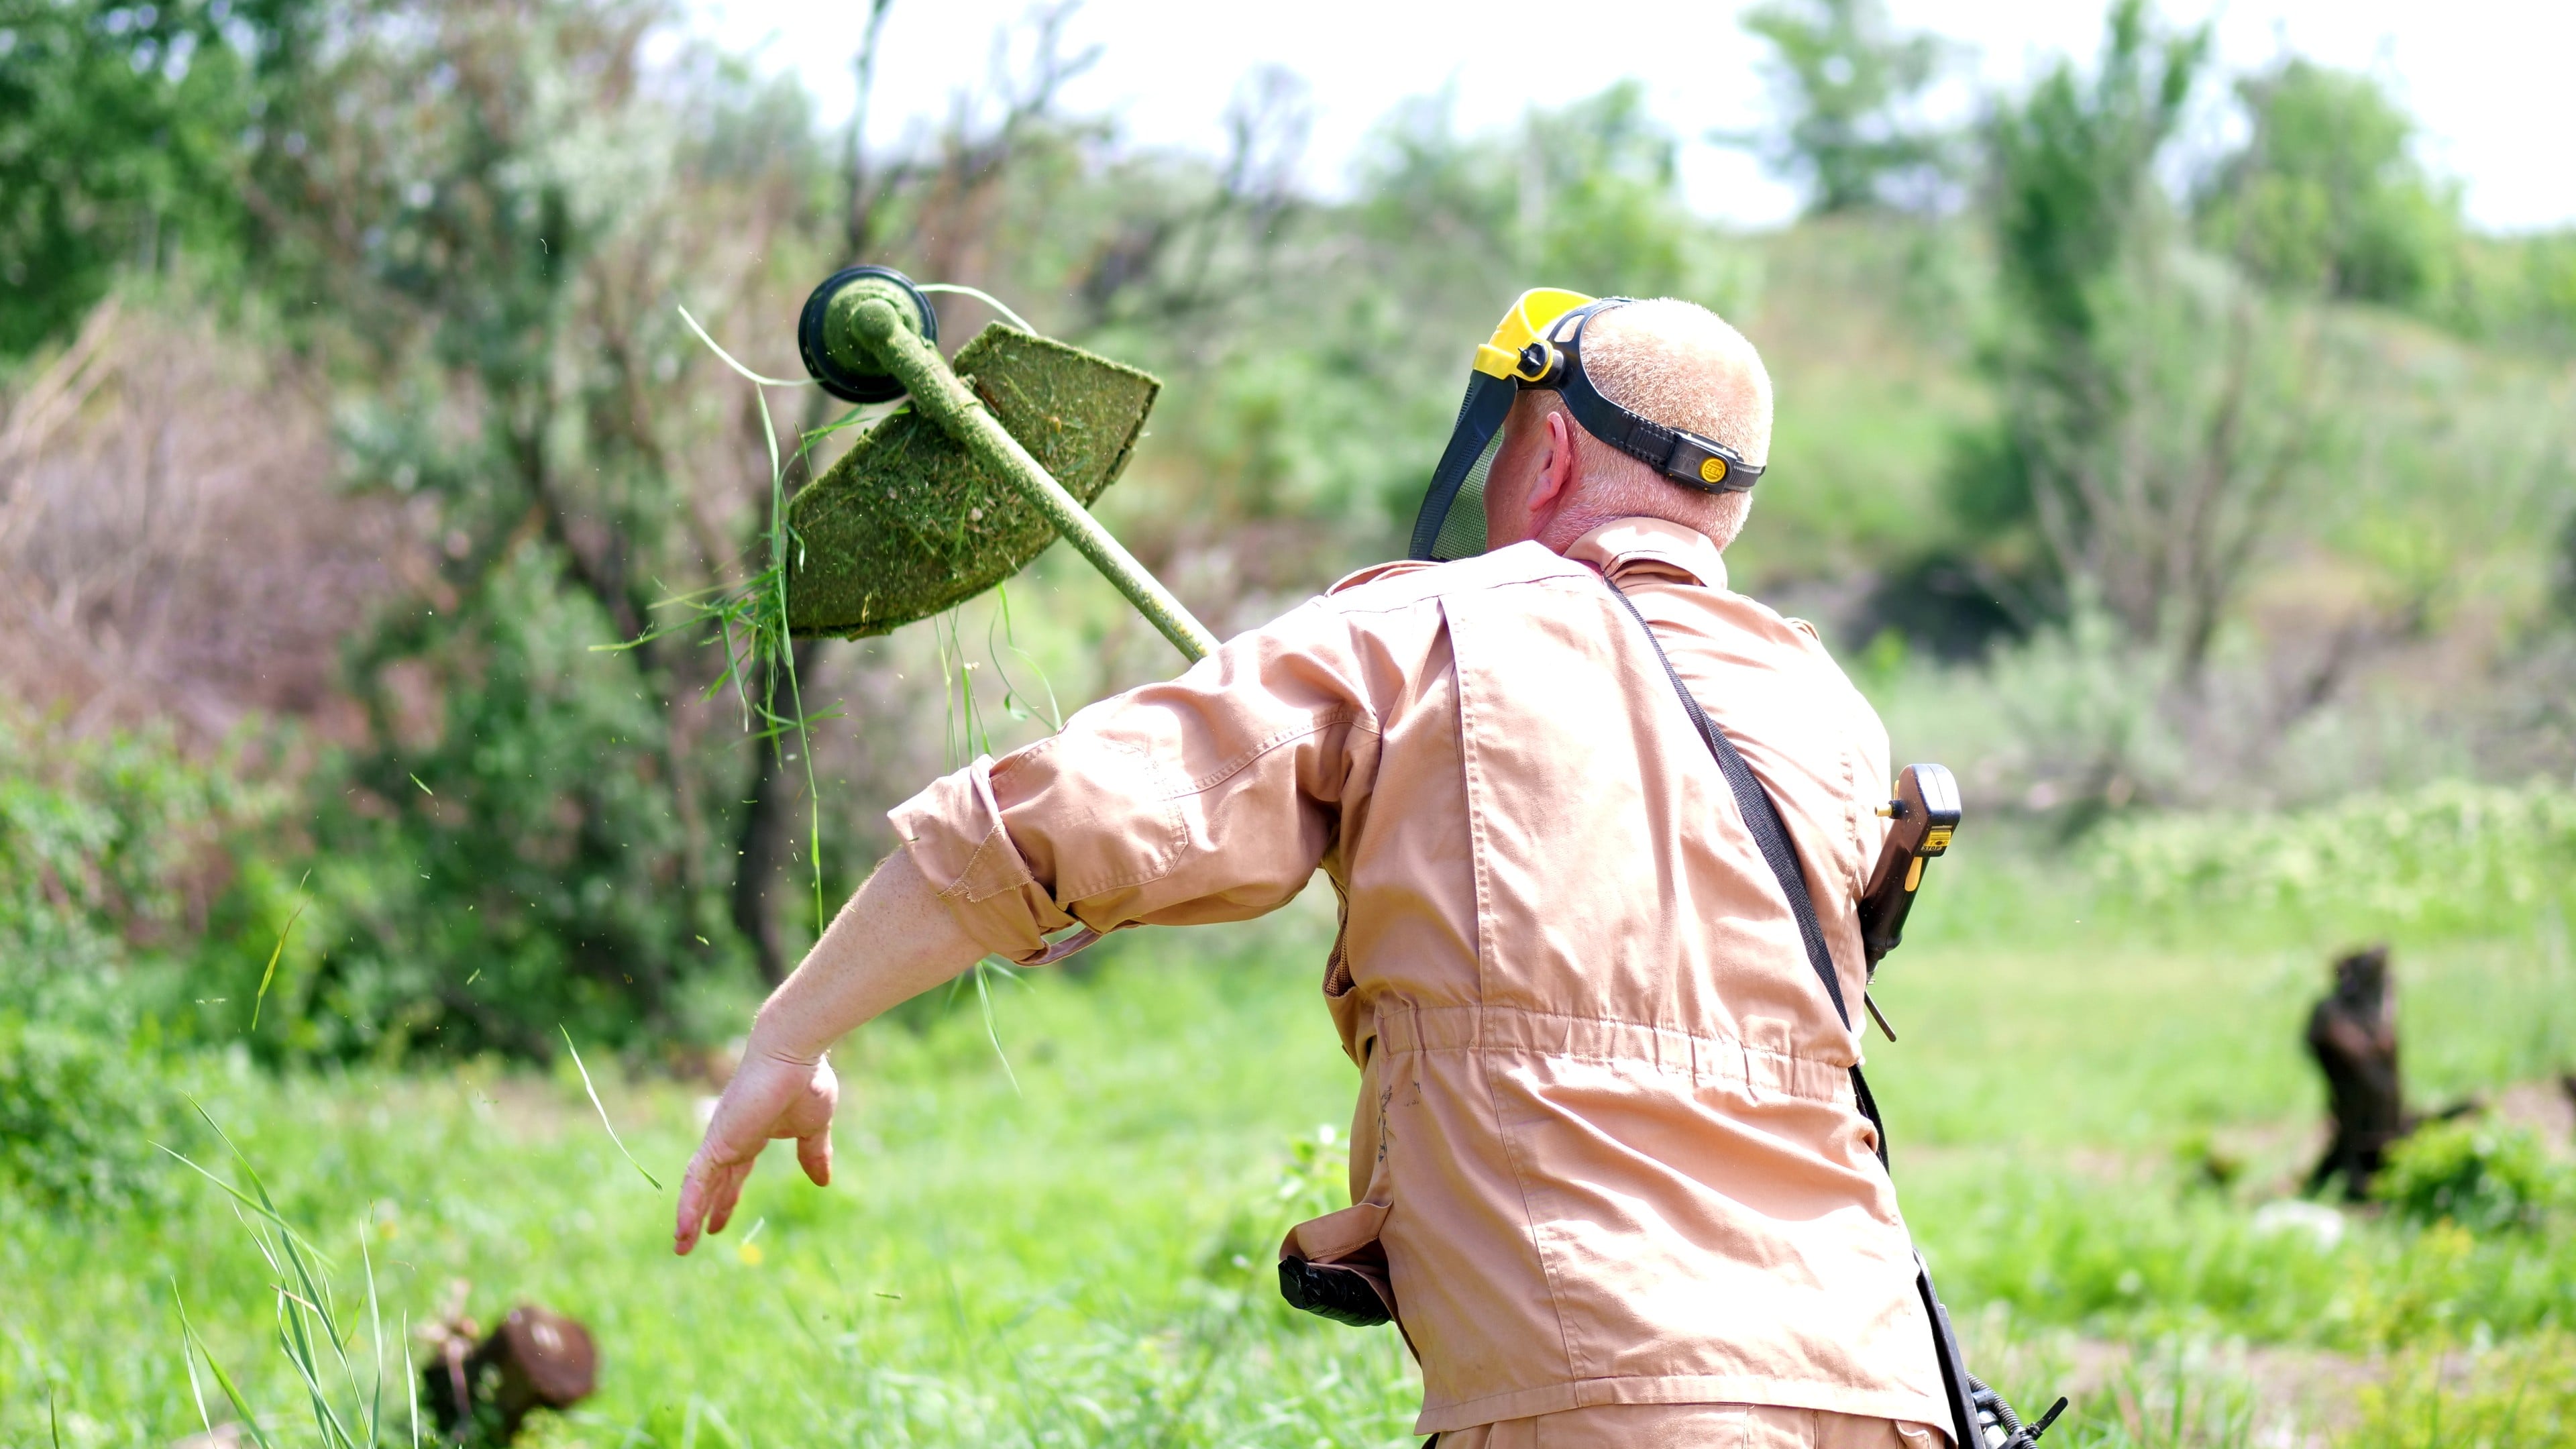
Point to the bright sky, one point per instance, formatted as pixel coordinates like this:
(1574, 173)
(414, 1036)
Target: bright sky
(2489, 78)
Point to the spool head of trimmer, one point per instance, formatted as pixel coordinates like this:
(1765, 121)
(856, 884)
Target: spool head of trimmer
(910, 521)
(828, 340)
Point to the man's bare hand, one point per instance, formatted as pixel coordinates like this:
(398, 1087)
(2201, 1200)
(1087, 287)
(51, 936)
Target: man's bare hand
(894, 939)
(770, 1096)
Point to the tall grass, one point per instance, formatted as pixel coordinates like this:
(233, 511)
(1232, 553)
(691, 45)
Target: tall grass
(347, 1413)
(1083, 1260)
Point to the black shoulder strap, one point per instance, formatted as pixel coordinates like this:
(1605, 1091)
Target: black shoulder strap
(1771, 837)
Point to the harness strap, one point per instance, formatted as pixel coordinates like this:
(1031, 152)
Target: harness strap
(1771, 837)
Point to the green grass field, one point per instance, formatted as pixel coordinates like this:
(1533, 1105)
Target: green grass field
(2088, 1120)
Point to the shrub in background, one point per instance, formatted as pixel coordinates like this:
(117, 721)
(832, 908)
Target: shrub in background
(529, 866)
(109, 851)
(2448, 856)
(2485, 1176)
(76, 1117)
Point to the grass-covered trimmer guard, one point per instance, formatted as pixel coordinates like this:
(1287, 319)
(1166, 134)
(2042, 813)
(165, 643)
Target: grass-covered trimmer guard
(996, 456)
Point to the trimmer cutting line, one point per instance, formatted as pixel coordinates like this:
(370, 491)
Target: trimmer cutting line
(998, 455)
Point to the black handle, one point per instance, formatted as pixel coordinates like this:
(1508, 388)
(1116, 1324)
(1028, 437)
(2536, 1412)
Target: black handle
(1926, 812)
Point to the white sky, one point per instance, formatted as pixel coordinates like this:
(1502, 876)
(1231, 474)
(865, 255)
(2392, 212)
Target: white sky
(2491, 80)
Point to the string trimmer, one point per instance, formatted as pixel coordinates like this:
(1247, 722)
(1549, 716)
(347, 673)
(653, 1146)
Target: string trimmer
(995, 458)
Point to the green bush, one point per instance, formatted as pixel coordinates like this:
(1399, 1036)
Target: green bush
(531, 868)
(2485, 1176)
(2520, 1392)
(107, 844)
(76, 1116)
(2450, 856)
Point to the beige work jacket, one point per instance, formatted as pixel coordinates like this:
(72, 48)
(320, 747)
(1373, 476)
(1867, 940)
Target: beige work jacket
(1605, 1137)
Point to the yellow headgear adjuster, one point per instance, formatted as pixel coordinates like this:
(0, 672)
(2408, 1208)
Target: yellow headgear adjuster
(1527, 322)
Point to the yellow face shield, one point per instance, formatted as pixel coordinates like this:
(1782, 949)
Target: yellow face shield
(1539, 344)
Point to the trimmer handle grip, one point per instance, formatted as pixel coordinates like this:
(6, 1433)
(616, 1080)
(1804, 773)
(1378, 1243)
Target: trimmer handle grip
(1925, 813)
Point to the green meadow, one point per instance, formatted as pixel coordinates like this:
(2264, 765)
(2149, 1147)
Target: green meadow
(2096, 1120)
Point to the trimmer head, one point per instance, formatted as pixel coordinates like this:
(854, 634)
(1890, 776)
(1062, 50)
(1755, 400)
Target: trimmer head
(910, 522)
(833, 355)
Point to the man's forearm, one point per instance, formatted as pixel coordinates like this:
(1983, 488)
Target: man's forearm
(894, 940)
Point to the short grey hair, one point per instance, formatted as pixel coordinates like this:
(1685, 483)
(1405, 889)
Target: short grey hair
(1678, 364)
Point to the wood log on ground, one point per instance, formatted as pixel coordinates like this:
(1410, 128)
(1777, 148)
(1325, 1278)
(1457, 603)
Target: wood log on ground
(481, 1393)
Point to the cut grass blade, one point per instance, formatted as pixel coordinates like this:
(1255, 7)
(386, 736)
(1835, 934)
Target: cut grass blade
(1014, 699)
(992, 1028)
(736, 366)
(595, 1103)
(980, 295)
(279, 949)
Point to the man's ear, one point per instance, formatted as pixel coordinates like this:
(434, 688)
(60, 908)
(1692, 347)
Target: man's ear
(1555, 480)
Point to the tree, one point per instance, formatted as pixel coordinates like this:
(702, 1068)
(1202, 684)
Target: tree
(121, 143)
(498, 208)
(494, 213)
(2327, 196)
(1847, 82)
(2152, 406)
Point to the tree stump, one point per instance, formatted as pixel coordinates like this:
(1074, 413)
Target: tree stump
(482, 1393)
(2353, 1035)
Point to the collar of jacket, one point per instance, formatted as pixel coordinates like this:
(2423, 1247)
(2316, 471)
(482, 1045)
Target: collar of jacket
(1618, 548)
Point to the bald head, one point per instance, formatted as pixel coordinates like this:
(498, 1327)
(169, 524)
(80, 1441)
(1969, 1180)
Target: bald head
(1669, 361)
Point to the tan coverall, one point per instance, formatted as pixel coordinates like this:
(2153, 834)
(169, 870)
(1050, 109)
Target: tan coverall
(1605, 1137)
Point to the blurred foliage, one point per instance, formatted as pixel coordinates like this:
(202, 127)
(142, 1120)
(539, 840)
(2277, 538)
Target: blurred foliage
(2099, 333)
(2155, 410)
(2448, 856)
(1846, 80)
(525, 869)
(503, 227)
(77, 1117)
(2487, 1396)
(2074, 175)
(2486, 1176)
(108, 844)
(124, 133)
(1311, 1179)
(2327, 194)
(2132, 1260)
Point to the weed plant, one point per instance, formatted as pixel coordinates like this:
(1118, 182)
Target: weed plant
(2485, 1176)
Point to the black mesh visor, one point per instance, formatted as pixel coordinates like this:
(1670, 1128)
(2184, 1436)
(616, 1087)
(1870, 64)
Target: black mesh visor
(1452, 521)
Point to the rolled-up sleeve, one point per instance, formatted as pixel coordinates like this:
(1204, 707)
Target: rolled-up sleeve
(1211, 797)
